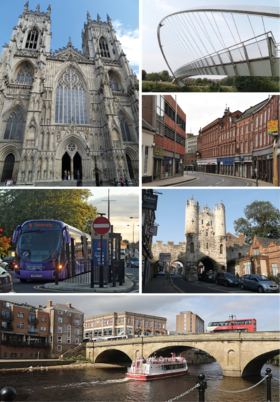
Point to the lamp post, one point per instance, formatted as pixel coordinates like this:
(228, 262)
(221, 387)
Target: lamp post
(133, 217)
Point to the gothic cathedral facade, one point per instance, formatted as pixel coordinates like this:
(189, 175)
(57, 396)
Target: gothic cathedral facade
(68, 109)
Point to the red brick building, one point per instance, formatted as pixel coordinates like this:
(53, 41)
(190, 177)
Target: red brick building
(238, 143)
(165, 115)
(24, 331)
(231, 240)
(263, 258)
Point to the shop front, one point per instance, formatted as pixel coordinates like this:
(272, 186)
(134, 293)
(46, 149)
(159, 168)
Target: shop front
(263, 162)
(226, 166)
(243, 166)
(207, 165)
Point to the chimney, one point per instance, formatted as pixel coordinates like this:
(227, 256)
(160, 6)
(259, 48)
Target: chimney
(241, 238)
(68, 305)
(49, 303)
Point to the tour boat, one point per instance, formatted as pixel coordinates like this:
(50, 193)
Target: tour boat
(157, 367)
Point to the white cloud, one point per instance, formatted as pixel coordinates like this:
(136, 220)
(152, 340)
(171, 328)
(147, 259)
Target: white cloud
(130, 43)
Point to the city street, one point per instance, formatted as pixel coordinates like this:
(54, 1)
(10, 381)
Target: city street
(208, 180)
(177, 285)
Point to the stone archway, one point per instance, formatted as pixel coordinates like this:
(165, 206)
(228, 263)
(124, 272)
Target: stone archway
(208, 263)
(77, 164)
(65, 166)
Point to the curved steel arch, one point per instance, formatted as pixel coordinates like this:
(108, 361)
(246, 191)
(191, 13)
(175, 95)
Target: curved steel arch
(261, 11)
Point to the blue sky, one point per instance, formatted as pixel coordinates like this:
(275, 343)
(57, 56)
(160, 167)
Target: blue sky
(264, 308)
(155, 10)
(170, 214)
(68, 18)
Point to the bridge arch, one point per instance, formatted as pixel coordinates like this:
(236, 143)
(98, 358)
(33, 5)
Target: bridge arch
(254, 366)
(113, 355)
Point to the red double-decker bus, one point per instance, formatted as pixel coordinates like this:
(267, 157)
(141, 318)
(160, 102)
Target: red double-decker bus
(242, 325)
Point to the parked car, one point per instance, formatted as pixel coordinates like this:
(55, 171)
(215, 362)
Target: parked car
(226, 279)
(134, 262)
(3, 264)
(259, 283)
(208, 276)
(6, 282)
(10, 262)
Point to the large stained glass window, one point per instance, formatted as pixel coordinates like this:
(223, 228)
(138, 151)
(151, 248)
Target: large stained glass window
(14, 126)
(125, 129)
(70, 99)
(25, 75)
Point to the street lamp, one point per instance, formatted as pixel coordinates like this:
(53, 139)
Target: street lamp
(133, 217)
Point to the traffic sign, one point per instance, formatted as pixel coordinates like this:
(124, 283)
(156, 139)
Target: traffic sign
(101, 225)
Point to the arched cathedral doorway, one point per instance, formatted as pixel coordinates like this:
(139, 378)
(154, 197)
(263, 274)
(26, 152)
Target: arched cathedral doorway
(129, 165)
(66, 165)
(8, 168)
(77, 161)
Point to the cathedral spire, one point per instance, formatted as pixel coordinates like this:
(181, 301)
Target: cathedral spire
(38, 9)
(70, 43)
(88, 17)
(109, 20)
(26, 7)
(49, 11)
(98, 18)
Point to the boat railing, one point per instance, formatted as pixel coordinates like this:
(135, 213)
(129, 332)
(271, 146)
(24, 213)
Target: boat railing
(134, 370)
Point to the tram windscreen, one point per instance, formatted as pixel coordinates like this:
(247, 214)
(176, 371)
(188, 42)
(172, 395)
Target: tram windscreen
(39, 245)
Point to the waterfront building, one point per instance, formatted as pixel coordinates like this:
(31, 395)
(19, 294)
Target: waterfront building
(238, 143)
(124, 323)
(164, 115)
(66, 327)
(24, 331)
(66, 110)
(188, 321)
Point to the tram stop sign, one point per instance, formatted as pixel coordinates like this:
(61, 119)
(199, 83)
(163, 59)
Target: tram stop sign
(101, 225)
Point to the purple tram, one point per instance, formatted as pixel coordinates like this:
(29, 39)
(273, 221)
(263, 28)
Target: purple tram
(43, 245)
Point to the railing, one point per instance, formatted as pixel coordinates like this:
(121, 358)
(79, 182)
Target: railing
(9, 327)
(89, 272)
(32, 330)
(202, 385)
(33, 320)
(9, 318)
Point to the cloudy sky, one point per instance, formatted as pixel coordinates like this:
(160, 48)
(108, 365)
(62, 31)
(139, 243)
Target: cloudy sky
(155, 10)
(170, 214)
(124, 204)
(264, 308)
(68, 18)
(202, 108)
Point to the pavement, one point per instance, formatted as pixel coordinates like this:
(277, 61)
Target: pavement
(66, 183)
(126, 287)
(160, 284)
(190, 177)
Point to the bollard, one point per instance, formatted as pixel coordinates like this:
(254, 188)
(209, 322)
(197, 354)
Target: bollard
(114, 274)
(7, 394)
(91, 274)
(268, 384)
(202, 387)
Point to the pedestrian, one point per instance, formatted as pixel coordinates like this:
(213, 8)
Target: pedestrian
(78, 174)
(121, 180)
(65, 174)
(116, 182)
(126, 181)
(101, 181)
(69, 177)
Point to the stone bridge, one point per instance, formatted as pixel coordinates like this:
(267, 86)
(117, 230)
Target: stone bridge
(239, 354)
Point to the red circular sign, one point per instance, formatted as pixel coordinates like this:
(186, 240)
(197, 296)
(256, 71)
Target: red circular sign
(101, 225)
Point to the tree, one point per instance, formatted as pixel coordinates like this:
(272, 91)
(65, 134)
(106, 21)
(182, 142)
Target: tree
(165, 75)
(262, 219)
(4, 242)
(144, 75)
(69, 206)
(253, 84)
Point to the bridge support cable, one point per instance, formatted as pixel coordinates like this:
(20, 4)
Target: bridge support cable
(175, 44)
(189, 46)
(254, 35)
(236, 42)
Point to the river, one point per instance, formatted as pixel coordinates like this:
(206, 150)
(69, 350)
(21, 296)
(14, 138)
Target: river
(96, 384)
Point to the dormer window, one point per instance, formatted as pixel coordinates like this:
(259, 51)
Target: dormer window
(103, 46)
(32, 39)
